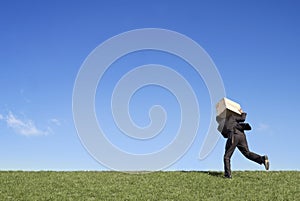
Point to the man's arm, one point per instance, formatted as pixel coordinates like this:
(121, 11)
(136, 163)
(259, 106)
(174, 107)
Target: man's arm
(245, 126)
(241, 118)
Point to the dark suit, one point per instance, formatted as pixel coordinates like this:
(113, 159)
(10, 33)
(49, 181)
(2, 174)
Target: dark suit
(237, 138)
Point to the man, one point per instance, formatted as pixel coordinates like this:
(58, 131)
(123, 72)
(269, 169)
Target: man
(236, 138)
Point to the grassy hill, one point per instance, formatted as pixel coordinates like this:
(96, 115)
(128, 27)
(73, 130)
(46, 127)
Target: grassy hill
(249, 185)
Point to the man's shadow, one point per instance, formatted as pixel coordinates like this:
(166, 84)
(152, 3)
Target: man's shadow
(215, 174)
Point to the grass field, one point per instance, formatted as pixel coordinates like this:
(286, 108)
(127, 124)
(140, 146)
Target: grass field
(249, 185)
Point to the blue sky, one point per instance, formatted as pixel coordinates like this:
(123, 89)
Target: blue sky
(255, 46)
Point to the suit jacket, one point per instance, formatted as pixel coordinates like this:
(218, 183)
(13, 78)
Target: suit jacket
(235, 124)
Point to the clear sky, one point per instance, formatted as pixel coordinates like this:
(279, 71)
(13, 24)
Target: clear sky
(255, 46)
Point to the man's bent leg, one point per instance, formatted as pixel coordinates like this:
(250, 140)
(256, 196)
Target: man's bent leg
(243, 147)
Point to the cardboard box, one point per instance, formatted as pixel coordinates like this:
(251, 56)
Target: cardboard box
(226, 107)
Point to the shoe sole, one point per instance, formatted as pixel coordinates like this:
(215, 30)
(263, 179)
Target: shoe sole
(267, 163)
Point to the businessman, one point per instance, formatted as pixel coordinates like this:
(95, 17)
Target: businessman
(236, 137)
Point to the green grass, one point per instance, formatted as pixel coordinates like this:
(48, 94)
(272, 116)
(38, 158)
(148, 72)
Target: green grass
(44, 185)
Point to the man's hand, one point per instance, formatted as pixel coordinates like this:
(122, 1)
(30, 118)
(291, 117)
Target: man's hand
(241, 111)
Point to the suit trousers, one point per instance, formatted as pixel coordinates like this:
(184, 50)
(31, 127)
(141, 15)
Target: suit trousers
(238, 140)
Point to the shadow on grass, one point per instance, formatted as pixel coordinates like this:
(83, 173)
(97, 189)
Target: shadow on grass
(210, 173)
(215, 174)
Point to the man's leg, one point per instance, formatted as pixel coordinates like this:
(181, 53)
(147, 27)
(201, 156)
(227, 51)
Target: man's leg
(243, 147)
(229, 149)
